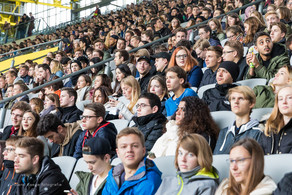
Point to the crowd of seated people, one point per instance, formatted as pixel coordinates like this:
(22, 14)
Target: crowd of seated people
(155, 90)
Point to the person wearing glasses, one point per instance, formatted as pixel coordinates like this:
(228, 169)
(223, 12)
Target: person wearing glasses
(94, 125)
(246, 171)
(63, 136)
(17, 112)
(242, 99)
(233, 51)
(9, 178)
(182, 57)
(195, 173)
(149, 119)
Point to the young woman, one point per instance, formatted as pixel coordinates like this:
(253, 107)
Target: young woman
(157, 85)
(246, 171)
(192, 116)
(175, 24)
(252, 25)
(100, 95)
(216, 28)
(97, 70)
(233, 20)
(36, 104)
(182, 57)
(131, 91)
(51, 103)
(83, 87)
(242, 100)
(56, 68)
(278, 128)
(265, 95)
(74, 67)
(122, 71)
(195, 175)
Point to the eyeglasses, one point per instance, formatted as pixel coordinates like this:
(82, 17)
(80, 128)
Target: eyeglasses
(86, 117)
(141, 105)
(226, 52)
(181, 108)
(239, 161)
(16, 115)
(181, 56)
(9, 150)
(231, 37)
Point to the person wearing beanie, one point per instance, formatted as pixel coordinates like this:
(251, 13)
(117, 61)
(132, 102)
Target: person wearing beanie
(96, 154)
(215, 98)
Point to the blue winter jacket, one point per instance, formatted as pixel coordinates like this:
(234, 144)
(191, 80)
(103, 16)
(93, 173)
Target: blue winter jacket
(195, 76)
(227, 136)
(146, 180)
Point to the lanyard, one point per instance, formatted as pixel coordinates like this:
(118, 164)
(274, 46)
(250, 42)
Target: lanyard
(86, 136)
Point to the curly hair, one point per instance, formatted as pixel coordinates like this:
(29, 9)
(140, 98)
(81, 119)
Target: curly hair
(197, 119)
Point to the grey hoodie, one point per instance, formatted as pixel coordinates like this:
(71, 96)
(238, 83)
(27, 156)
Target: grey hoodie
(196, 182)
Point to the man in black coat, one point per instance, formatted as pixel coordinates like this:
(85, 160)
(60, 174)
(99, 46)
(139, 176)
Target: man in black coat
(39, 174)
(149, 119)
(63, 136)
(216, 98)
(68, 112)
(144, 67)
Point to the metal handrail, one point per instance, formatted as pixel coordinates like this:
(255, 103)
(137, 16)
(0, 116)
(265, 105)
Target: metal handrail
(110, 59)
(46, 43)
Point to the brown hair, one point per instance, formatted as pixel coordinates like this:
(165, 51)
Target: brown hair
(256, 169)
(30, 132)
(54, 98)
(217, 50)
(162, 82)
(218, 24)
(198, 145)
(237, 46)
(131, 131)
(32, 145)
(21, 105)
(39, 104)
(254, 27)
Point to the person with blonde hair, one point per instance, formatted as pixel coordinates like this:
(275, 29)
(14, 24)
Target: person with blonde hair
(216, 28)
(193, 160)
(246, 171)
(265, 94)
(242, 100)
(131, 91)
(56, 68)
(278, 128)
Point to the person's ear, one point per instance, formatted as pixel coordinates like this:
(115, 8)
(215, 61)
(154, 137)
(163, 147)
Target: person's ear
(181, 81)
(256, 48)
(60, 129)
(35, 159)
(155, 109)
(99, 119)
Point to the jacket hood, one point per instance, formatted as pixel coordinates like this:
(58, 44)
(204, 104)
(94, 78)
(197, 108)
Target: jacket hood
(231, 129)
(146, 119)
(71, 130)
(9, 164)
(278, 49)
(223, 89)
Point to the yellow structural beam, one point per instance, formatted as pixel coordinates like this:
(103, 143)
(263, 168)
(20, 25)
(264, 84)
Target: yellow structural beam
(57, 3)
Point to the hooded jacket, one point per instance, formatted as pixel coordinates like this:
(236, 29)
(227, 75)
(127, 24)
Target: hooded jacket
(9, 179)
(146, 180)
(67, 148)
(85, 180)
(279, 58)
(265, 187)
(216, 99)
(196, 181)
(48, 181)
(69, 114)
(151, 126)
(227, 136)
(105, 130)
(279, 143)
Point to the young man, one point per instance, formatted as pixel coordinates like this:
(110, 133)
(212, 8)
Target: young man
(201, 47)
(269, 59)
(233, 51)
(213, 60)
(144, 67)
(39, 174)
(17, 111)
(44, 73)
(149, 119)
(205, 32)
(136, 174)
(161, 62)
(9, 178)
(242, 100)
(215, 98)
(63, 136)
(96, 154)
(23, 73)
(95, 126)
(11, 77)
(176, 81)
(68, 112)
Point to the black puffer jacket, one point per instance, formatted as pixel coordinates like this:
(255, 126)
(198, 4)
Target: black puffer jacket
(278, 143)
(152, 126)
(49, 181)
(216, 99)
(69, 114)
(9, 179)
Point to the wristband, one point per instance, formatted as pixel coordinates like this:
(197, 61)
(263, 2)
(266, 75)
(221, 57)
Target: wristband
(251, 65)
